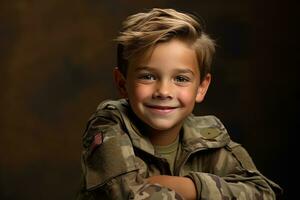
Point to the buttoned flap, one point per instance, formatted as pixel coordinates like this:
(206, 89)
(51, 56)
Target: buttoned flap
(109, 155)
(242, 156)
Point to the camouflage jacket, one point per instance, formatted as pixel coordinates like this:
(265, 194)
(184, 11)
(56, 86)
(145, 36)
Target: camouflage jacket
(117, 159)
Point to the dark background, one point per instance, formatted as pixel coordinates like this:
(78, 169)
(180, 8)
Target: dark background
(56, 61)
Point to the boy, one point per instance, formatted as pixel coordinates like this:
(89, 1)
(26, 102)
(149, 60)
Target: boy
(149, 145)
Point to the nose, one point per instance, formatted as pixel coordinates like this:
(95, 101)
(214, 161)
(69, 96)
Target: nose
(163, 90)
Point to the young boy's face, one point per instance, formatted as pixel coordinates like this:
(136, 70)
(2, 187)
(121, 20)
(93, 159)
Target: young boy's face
(163, 87)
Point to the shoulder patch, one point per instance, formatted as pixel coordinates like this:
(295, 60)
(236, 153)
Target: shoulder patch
(97, 141)
(210, 133)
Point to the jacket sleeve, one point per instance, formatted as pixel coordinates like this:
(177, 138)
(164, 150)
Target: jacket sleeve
(110, 168)
(237, 178)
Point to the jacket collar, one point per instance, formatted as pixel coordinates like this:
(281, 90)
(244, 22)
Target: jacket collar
(204, 132)
(198, 132)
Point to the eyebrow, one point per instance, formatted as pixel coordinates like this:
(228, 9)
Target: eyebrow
(179, 70)
(143, 68)
(185, 71)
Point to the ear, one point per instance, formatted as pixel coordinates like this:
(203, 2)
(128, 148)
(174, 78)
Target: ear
(120, 82)
(202, 89)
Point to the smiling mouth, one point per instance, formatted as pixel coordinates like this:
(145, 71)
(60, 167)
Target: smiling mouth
(161, 109)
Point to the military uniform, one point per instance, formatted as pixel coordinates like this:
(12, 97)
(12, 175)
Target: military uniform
(117, 158)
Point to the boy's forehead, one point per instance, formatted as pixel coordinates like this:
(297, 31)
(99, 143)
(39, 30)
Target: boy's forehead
(146, 54)
(173, 55)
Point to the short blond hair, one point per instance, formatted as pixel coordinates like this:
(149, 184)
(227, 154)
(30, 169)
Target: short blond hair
(142, 31)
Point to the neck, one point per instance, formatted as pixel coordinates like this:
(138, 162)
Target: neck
(164, 137)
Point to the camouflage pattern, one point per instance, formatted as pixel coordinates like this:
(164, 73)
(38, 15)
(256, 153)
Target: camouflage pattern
(117, 159)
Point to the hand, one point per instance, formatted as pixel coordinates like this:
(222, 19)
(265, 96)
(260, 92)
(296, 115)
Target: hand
(182, 185)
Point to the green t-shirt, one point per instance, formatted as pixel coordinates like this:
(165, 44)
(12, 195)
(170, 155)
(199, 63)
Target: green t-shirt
(169, 152)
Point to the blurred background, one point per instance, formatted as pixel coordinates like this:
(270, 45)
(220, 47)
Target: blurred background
(56, 61)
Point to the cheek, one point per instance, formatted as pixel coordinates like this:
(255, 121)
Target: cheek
(187, 97)
(140, 92)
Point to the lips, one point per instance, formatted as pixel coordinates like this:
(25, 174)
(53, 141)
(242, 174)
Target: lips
(161, 109)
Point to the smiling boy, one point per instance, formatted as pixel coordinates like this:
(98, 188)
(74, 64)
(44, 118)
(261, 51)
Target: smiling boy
(163, 88)
(149, 145)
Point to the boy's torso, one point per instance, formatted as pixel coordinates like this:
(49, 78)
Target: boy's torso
(116, 153)
(202, 142)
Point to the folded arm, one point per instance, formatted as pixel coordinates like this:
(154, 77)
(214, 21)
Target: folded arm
(233, 176)
(182, 185)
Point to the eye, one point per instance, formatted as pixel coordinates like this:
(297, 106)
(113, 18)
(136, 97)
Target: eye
(147, 76)
(182, 79)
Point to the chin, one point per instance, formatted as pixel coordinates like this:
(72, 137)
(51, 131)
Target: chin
(161, 126)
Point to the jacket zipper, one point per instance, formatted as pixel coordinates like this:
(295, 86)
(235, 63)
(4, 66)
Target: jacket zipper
(178, 169)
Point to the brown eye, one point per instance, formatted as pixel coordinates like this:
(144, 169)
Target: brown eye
(182, 79)
(149, 77)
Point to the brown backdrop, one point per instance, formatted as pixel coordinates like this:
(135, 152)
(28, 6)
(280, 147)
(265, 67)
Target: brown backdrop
(56, 61)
